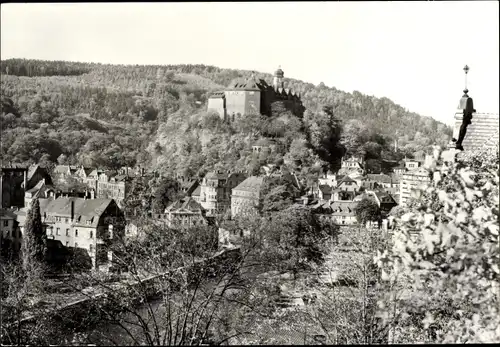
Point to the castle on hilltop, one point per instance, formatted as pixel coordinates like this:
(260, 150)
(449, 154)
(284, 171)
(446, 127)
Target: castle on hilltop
(252, 96)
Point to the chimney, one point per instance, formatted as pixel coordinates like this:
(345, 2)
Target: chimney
(72, 209)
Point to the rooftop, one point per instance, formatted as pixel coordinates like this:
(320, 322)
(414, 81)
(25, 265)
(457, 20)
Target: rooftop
(87, 208)
(252, 183)
(187, 204)
(483, 131)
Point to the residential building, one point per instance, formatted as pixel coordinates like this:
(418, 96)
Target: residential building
(36, 173)
(86, 225)
(112, 187)
(185, 212)
(62, 171)
(339, 212)
(246, 198)
(329, 179)
(215, 192)
(347, 184)
(381, 180)
(352, 164)
(40, 190)
(411, 181)
(384, 200)
(7, 228)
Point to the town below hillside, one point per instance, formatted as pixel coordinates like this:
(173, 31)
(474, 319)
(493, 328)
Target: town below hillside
(193, 205)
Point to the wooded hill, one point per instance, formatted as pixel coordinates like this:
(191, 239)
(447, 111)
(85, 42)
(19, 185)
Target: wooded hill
(116, 115)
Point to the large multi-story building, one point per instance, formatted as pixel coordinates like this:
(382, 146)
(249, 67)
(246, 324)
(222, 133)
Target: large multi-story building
(84, 225)
(215, 191)
(246, 198)
(253, 96)
(410, 181)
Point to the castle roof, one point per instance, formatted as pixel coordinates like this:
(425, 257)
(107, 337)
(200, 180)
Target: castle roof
(279, 72)
(240, 84)
(217, 95)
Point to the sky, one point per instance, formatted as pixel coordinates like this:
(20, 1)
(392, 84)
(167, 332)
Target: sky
(410, 52)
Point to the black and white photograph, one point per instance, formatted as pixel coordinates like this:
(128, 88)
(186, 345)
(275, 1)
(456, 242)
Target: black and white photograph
(249, 173)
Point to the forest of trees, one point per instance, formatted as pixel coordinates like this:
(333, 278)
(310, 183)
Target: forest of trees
(113, 115)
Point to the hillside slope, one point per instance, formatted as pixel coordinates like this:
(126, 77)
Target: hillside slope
(146, 114)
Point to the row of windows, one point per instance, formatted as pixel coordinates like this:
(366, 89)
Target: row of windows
(58, 232)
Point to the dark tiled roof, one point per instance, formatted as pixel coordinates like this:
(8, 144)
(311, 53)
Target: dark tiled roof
(216, 95)
(85, 209)
(187, 204)
(481, 132)
(252, 184)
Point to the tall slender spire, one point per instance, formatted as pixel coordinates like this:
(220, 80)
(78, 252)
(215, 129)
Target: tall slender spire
(466, 69)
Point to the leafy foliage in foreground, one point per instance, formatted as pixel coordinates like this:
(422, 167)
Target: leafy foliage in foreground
(446, 253)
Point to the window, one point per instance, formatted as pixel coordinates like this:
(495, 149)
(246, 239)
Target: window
(91, 234)
(51, 230)
(76, 233)
(91, 248)
(58, 231)
(7, 233)
(66, 220)
(67, 232)
(76, 244)
(5, 223)
(67, 243)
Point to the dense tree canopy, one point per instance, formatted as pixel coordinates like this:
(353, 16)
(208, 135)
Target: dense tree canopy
(114, 115)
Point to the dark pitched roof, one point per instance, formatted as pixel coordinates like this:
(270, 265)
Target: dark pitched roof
(252, 184)
(184, 205)
(480, 132)
(218, 94)
(85, 209)
(249, 84)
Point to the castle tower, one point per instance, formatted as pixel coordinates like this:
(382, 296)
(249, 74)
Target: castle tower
(278, 79)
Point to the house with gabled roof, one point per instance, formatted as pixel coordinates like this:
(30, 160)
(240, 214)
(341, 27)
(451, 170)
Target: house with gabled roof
(185, 212)
(88, 225)
(347, 184)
